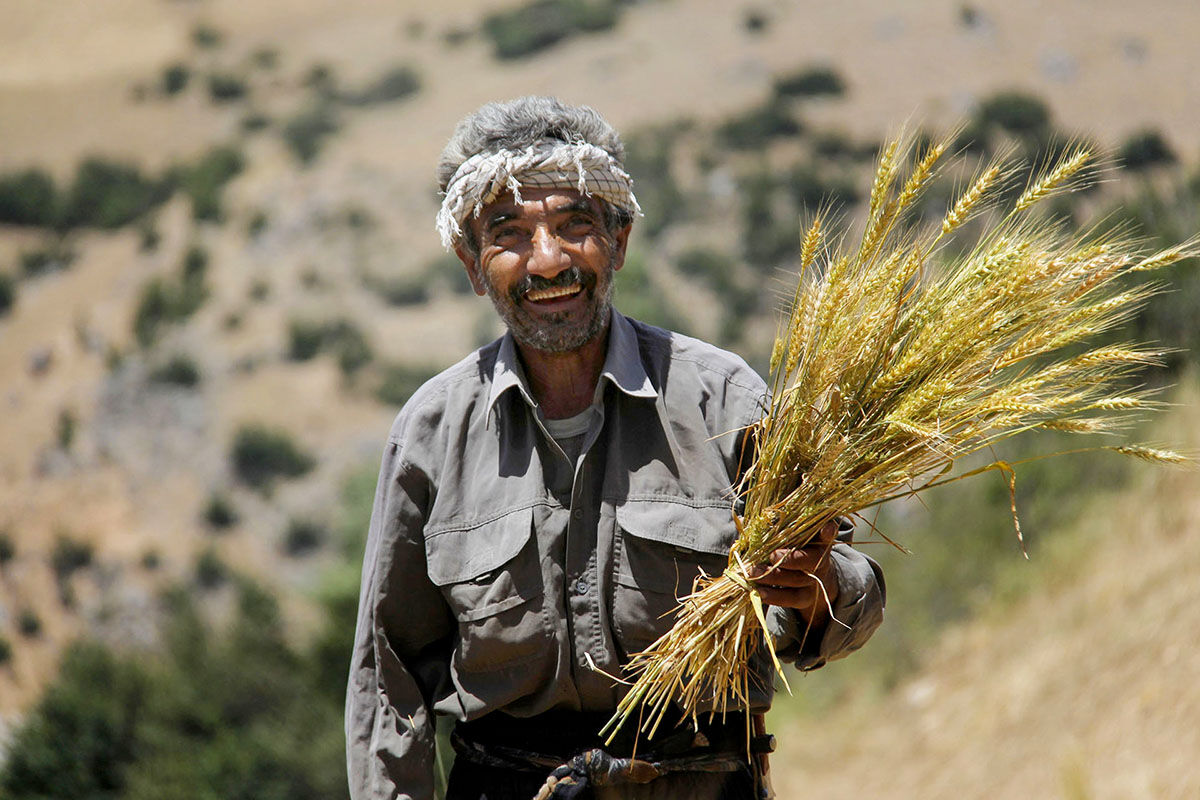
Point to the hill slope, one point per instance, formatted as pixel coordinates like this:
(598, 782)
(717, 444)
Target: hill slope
(1084, 688)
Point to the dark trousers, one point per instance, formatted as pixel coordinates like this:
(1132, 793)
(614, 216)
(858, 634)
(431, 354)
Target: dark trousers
(475, 782)
(562, 734)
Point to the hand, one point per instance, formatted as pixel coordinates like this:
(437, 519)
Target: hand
(803, 578)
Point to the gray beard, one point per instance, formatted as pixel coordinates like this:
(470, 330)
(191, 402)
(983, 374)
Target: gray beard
(555, 333)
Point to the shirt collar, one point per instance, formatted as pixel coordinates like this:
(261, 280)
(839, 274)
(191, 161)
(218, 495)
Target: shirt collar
(623, 366)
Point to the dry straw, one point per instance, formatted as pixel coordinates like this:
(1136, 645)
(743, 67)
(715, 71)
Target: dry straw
(894, 361)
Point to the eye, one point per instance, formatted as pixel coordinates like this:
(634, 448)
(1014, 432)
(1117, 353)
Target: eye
(580, 225)
(506, 233)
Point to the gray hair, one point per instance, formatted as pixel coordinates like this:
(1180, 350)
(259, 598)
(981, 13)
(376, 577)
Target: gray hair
(526, 121)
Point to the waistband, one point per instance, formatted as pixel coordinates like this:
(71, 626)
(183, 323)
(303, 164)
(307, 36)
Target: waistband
(559, 735)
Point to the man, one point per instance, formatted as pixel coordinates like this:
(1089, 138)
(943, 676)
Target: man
(543, 503)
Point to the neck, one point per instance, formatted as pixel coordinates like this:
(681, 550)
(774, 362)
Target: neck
(565, 383)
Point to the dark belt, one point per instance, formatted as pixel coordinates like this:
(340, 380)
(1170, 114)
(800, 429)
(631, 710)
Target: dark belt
(568, 745)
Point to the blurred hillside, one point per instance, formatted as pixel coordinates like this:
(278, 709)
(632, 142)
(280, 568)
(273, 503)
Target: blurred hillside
(219, 278)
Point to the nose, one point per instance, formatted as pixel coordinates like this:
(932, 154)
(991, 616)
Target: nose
(547, 258)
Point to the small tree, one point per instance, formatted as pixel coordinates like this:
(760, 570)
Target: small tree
(261, 455)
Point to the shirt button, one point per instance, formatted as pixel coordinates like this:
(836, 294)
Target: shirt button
(581, 586)
(577, 513)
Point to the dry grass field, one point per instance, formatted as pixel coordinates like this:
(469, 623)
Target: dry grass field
(1084, 688)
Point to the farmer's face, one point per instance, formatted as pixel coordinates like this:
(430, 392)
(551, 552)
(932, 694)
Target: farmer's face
(547, 263)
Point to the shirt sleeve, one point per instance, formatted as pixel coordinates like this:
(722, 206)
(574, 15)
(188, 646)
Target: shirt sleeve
(858, 611)
(401, 645)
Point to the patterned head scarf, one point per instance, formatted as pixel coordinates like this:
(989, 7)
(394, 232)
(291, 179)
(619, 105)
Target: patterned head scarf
(483, 177)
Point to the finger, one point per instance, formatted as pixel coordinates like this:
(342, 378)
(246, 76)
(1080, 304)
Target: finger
(787, 578)
(807, 558)
(788, 597)
(828, 532)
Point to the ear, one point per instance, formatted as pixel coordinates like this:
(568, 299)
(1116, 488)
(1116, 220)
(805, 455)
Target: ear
(471, 264)
(621, 242)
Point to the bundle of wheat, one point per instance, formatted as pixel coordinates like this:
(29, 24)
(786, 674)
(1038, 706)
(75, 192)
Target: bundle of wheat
(894, 361)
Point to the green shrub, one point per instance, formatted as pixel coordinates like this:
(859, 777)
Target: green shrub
(174, 79)
(766, 241)
(320, 78)
(8, 292)
(447, 271)
(737, 306)
(811, 82)
(108, 194)
(396, 84)
(257, 224)
(834, 144)
(399, 381)
(254, 121)
(154, 309)
(1145, 149)
(29, 198)
(219, 512)
(8, 548)
(53, 257)
(310, 278)
(260, 290)
(260, 455)
(5, 650)
(195, 264)
(340, 337)
(711, 266)
(66, 428)
(306, 132)
(648, 154)
(164, 302)
(82, 732)
(179, 370)
(1018, 113)
(230, 712)
(151, 559)
(204, 182)
(811, 191)
(975, 137)
(637, 295)
(755, 21)
(29, 623)
(69, 555)
(305, 339)
(756, 127)
(211, 571)
(350, 347)
(533, 27)
(206, 36)
(302, 537)
(225, 87)
(265, 58)
(403, 291)
(148, 237)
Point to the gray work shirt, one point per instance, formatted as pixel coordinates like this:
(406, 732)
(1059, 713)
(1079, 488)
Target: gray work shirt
(500, 574)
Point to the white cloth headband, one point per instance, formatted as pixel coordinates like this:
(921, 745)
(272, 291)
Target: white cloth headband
(480, 179)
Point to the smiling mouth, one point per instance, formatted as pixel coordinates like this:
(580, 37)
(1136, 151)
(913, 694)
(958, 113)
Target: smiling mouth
(541, 295)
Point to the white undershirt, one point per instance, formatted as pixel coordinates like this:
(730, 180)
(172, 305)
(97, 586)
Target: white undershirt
(570, 432)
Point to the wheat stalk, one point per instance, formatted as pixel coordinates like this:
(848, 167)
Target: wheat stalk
(889, 367)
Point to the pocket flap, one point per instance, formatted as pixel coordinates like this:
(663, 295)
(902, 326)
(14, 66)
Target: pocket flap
(705, 529)
(458, 554)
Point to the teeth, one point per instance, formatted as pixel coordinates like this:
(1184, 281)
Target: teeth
(550, 294)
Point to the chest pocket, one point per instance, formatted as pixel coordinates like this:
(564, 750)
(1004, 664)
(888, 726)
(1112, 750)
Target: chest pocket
(490, 575)
(662, 547)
